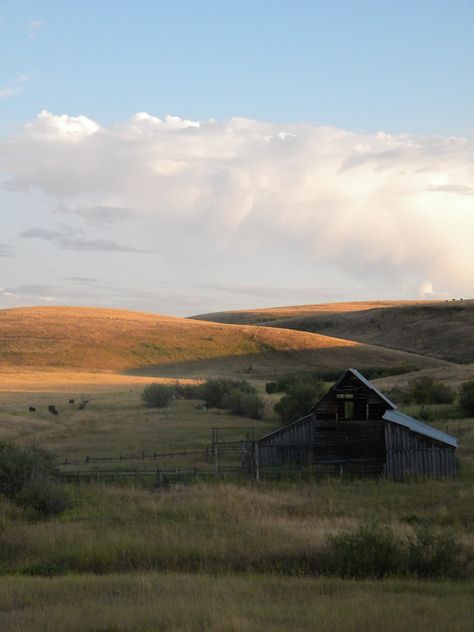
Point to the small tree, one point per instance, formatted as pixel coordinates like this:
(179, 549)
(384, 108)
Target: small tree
(27, 478)
(466, 399)
(157, 395)
(244, 403)
(299, 400)
(214, 391)
(426, 390)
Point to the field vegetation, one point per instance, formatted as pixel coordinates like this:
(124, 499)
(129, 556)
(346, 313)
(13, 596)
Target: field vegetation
(440, 329)
(224, 554)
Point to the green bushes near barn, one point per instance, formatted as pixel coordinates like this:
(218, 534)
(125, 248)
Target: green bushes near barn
(466, 399)
(237, 396)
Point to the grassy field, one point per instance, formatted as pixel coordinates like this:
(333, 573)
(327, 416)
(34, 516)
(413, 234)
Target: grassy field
(220, 555)
(86, 340)
(190, 603)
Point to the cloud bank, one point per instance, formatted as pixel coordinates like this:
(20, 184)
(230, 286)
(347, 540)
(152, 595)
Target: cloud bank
(388, 209)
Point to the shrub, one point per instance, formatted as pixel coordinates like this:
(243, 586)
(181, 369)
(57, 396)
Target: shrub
(271, 387)
(426, 390)
(157, 395)
(244, 403)
(466, 399)
(43, 495)
(26, 478)
(19, 465)
(423, 390)
(188, 391)
(299, 400)
(435, 553)
(214, 391)
(375, 551)
(369, 552)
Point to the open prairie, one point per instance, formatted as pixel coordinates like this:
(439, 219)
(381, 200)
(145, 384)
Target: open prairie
(128, 557)
(72, 341)
(438, 329)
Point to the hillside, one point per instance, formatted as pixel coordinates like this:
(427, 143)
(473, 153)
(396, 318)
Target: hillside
(88, 339)
(443, 330)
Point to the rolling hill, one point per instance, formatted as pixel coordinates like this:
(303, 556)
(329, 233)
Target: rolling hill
(116, 341)
(438, 329)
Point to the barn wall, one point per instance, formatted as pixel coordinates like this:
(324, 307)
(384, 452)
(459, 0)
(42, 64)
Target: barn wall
(409, 454)
(353, 445)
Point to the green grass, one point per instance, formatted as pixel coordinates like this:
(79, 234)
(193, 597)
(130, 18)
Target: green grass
(220, 556)
(203, 603)
(223, 527)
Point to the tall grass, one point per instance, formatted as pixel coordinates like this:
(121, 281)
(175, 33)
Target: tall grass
(202, 603)
(221, 528)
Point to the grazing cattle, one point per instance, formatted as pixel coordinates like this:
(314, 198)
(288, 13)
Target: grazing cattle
(32, 409)
(83, 404)
(52, 409)
(71, 401)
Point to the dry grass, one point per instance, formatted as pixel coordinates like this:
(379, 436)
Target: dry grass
(432, 328)
(269, 314)
(68, 343)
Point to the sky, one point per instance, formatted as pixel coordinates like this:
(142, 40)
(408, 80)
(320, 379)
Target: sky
(197, 156)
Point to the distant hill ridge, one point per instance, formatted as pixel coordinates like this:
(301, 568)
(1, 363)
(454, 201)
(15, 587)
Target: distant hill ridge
(94, 339)
(439, 329)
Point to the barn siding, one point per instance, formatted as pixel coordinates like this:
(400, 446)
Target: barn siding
(409, 454)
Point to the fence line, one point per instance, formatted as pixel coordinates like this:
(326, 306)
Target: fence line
(229, 447)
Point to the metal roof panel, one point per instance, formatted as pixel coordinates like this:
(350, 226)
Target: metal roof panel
(396, 417)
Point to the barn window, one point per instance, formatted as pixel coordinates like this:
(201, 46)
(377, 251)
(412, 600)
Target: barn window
(346, 405)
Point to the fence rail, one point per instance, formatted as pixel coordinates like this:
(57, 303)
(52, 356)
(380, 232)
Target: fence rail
(229, 447)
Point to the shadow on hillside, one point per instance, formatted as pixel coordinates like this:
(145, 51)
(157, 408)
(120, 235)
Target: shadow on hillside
(273, 363)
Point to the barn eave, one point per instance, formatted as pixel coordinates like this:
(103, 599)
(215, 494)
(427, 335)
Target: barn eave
(418, 427)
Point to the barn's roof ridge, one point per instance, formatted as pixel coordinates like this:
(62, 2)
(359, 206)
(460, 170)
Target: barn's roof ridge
(367, 383)
(396, 417)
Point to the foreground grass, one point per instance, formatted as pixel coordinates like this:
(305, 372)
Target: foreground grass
(189, 603)
(222, 528)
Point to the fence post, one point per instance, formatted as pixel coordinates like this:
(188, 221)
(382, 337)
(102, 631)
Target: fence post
(256, 461)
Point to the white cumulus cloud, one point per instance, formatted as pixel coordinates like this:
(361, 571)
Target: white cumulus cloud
(386, 208)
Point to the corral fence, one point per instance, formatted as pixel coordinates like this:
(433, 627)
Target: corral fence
(226, 460)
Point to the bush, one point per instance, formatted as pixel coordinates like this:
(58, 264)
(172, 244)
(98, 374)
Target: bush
(43, 495)
(466, 399)
(214, 391)
(271, 387)
(374, 551)
(18, 465)
(157, 395)
(369, 552)
(299, 400)
(188, 391)
(244, 403)
(26, 478)
(424, 390)
(435, 553)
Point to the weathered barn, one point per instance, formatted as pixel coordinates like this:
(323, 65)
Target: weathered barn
(356, 429)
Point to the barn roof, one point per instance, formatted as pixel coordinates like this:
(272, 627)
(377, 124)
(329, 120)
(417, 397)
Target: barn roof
(396, 417)
(369, 385)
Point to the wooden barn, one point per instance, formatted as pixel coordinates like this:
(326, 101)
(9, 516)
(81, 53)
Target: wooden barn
(356, 429)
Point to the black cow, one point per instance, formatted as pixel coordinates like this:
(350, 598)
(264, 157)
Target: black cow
(52, 409)
(32, 409)
(71, 401)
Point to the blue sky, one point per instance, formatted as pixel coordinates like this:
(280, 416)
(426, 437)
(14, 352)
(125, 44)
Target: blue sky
(363, 109)
(400, 66)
